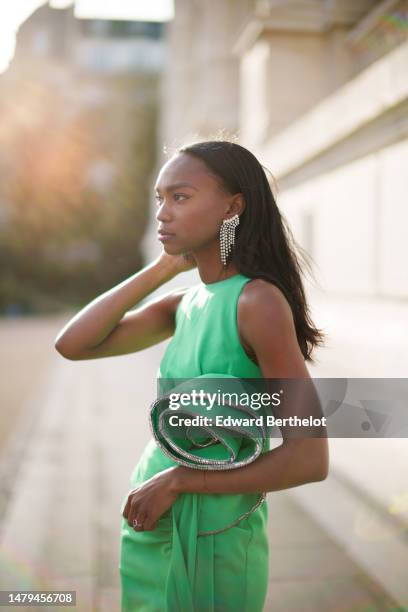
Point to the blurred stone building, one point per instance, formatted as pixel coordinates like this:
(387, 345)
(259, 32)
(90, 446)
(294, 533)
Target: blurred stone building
(97, 45)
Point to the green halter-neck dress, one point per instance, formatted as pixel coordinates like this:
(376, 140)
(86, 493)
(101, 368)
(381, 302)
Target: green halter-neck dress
(171, 569)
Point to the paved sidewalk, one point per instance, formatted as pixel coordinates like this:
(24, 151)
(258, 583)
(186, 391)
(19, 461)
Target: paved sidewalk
(67, 476)
(309, 571)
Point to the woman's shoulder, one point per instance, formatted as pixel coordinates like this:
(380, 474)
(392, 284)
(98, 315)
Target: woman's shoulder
(259, 295)
(259, 289)
(263, 311)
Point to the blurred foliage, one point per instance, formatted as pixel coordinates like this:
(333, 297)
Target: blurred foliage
(77, 154)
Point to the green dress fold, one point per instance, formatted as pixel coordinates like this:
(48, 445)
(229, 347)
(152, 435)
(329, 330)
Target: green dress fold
(209, 552)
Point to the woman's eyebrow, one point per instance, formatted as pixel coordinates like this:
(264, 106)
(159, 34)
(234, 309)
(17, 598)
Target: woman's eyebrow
(177, 186)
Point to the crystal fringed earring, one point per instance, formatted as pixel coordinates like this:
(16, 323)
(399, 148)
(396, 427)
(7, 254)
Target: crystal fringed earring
(227, 237)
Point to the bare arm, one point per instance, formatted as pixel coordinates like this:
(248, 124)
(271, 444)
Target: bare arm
(104, 328)
(269, 330)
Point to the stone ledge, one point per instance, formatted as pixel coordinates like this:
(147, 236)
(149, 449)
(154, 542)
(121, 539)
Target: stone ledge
(376, 90)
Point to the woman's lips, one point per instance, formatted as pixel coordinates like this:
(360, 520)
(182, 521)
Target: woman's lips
(164, 236)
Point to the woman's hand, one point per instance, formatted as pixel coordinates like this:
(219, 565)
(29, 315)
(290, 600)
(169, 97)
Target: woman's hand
(178, 263)
(150, 500)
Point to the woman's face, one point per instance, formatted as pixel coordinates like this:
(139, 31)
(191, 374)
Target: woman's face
(191, 204)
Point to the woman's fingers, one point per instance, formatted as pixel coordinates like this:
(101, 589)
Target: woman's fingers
(127, 507)
(136, 517)
(139, 520)
(149, 524)
(138, 525)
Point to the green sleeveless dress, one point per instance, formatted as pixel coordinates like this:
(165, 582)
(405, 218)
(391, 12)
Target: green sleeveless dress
(171, 569)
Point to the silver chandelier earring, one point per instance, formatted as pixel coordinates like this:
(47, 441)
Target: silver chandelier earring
(227, 237)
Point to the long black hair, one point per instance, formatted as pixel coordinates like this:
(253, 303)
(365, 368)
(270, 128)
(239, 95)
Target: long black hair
(264, 244)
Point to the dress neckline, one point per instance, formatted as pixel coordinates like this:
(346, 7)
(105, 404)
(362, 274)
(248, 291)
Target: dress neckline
(224, 280)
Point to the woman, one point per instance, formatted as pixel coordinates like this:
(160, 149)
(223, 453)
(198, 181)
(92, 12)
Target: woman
(247, 318)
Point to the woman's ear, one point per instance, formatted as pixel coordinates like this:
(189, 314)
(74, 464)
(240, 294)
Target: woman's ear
(237, 205)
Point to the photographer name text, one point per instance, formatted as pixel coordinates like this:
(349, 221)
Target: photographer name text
(177, 420)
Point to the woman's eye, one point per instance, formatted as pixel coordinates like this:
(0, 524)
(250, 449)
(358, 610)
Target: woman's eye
(176, 197)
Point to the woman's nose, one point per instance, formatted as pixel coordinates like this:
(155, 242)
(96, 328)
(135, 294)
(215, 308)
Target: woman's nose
(162, 214)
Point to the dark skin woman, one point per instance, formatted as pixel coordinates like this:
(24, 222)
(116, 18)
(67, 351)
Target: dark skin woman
(196, 190)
